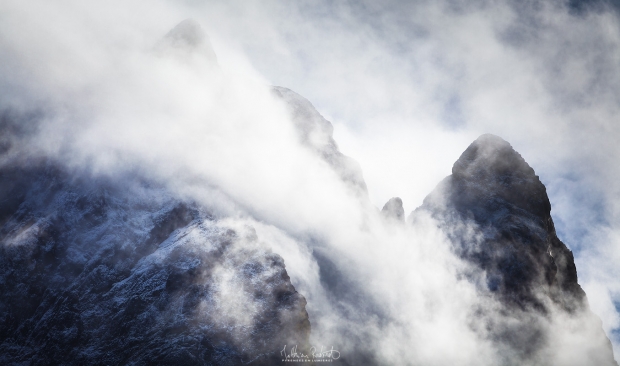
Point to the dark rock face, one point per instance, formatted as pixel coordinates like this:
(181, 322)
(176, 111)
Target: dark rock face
(95, 271)
(496, 212)
(494, 188)
(393, 209)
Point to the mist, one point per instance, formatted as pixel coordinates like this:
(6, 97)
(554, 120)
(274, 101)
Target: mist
(408, 86)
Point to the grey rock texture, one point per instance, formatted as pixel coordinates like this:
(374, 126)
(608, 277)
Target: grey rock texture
(119, 271)
(393, 209)
(316, 133)
(496, 211)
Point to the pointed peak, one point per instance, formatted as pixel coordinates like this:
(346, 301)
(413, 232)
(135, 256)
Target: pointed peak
(186, 38)
(489, 138)
(490, 155)
(188, 33)
(393, 209)
(490, 170)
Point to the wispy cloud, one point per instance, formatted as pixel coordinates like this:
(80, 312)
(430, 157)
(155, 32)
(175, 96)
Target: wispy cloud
(408, 87)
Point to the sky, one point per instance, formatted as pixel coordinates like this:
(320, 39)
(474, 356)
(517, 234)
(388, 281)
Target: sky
(407, 85)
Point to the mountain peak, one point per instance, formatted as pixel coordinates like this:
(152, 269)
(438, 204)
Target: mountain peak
(187, 38)
(316, 133)
(489, 156)
(526, 267)
(490, 169)
(393, 209)
(187, 33)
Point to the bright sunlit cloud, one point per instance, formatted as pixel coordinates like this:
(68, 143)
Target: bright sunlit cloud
(407, 86)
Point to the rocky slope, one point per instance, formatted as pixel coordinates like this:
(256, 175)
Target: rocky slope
(118, 271)
(316, 133)
(496, 212)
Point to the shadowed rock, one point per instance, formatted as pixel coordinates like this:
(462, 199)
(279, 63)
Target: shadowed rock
(496, 212)
(99, 271)
(393, 209)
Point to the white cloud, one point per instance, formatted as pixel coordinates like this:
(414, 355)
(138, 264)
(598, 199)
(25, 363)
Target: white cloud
(408, 86)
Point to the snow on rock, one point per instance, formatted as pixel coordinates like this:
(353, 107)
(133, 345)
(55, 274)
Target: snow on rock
(96, 271)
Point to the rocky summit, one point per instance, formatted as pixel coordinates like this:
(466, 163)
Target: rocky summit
(496, 212)
(393, 209)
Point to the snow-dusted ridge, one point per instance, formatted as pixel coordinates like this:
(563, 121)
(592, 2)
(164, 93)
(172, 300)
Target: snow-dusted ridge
(94, 274)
